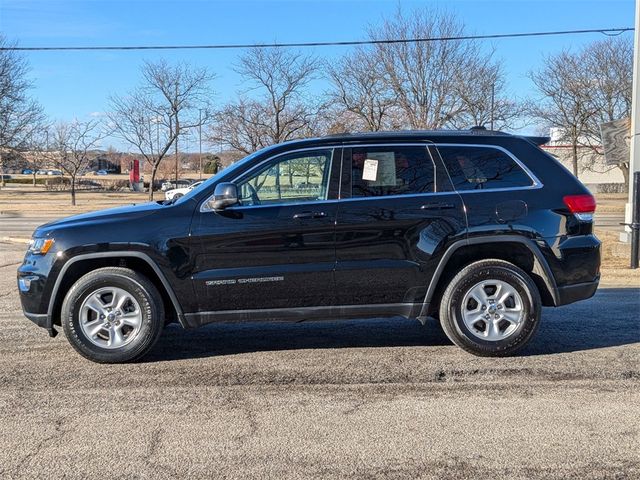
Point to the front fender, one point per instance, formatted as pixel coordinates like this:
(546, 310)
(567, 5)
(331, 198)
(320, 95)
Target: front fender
(55, 299)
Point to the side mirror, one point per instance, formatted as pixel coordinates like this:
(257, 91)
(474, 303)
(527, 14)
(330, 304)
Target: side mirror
(225, 195)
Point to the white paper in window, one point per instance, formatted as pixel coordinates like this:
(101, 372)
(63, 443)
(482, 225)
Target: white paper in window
(386, 174)
(370, 170)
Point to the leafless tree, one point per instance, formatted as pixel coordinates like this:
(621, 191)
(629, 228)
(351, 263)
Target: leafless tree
(278, 111)
(486, 102)
(583, 89)
(359, 88)
(19, 114)
(608, 65)
(434, 83)
(74, 144)
(563, 86)
(39, 154)
(172, 99)
(145, 126)
(242, 125)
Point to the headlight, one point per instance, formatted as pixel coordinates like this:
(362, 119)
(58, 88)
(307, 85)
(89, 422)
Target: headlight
(40, 246)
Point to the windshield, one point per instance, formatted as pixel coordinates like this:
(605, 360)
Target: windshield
(230, 169)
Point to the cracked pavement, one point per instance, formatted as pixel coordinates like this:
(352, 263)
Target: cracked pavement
(352, 399)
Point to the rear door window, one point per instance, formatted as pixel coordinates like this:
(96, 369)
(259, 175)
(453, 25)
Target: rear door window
(481, 168)
(388, 170)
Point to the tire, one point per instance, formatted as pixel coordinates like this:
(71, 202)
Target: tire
(129, 303)
(177, 196)
(473, 317)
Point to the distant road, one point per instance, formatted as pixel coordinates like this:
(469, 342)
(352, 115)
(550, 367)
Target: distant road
(13, 225)
(610, 221)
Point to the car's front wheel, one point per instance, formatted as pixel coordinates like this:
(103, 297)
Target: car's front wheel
(113, 315)
(490, 308)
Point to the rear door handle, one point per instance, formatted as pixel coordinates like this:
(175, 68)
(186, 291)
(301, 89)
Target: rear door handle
(309, 215)
(437, 206)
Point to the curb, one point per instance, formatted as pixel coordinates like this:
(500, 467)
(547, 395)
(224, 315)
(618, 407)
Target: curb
(18, 240)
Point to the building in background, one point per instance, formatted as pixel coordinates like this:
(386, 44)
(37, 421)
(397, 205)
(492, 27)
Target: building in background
(592, 169)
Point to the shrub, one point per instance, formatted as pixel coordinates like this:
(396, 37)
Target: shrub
(609, 188)
(26, 181)
(64, 183)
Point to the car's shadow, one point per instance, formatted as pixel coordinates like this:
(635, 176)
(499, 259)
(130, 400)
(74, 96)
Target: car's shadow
(609, 319)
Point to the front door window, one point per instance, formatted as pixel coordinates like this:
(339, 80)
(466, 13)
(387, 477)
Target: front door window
(294, 178)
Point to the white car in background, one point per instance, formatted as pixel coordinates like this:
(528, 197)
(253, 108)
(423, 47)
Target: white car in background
(176, 193)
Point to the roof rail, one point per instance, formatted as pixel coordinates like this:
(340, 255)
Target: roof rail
(482, 130)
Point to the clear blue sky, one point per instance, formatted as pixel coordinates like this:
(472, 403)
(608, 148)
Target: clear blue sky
(77, 84)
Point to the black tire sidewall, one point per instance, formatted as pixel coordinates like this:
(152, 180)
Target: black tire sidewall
(144, 340)
(531, 306)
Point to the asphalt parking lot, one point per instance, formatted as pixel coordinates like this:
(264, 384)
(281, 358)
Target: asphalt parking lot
(358, 399)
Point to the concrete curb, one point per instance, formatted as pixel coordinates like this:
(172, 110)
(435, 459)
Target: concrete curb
(18, 240)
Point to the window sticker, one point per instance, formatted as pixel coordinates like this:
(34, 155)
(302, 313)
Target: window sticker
(370, 170)
(386, 171)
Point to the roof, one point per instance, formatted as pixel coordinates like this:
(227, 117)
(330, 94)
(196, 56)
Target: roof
(412, 135)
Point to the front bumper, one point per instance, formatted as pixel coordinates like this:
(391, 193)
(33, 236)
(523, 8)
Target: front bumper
(33, 287)
(580, 291)
(41, 320)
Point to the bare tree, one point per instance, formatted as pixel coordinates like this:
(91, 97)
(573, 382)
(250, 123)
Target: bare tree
(19, 114)
(431, 81)
(172, 99)
(39, 154)
(486, 102)
(242, 125)
(75, 144)
(564, 102)
(145, 126)
(279, 111)
(608, 64)
(359, 88)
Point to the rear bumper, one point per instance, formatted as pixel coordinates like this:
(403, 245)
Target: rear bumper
(580, 291)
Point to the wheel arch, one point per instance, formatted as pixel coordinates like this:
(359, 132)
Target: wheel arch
(524, 253)
(79, 265)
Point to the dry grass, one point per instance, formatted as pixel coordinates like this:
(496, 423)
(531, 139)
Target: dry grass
(615, 267)
(611, 202)
(38, 202)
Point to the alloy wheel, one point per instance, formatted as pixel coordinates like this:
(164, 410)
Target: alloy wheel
(492, 310)
(110, 317)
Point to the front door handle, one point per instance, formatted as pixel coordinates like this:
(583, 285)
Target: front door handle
(309, 215)
(437, 206)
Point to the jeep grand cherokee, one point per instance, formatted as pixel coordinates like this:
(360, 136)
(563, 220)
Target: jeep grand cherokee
(477, 228)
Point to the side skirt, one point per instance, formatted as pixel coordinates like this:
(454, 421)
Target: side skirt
(338, 312)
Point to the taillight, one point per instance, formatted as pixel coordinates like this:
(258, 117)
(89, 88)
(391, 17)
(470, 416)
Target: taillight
(582, 206)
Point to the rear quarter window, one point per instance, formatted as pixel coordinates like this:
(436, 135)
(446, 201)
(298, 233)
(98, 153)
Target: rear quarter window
(482, 168)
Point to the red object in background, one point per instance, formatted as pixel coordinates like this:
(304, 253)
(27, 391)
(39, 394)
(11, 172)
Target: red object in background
(134, 171)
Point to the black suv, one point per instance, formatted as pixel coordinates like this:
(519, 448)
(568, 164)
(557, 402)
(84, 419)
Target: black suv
(477, 228)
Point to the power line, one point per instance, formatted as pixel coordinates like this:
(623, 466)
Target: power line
(603, 31)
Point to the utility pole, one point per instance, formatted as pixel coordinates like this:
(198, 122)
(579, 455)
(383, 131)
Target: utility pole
(634, 161)
(200, 140)
(493, 96)
(177, 135)
(177, 111)
(2, 182)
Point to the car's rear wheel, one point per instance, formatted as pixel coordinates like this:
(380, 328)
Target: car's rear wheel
(113, 315)
(490, 308)
(177, 196)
